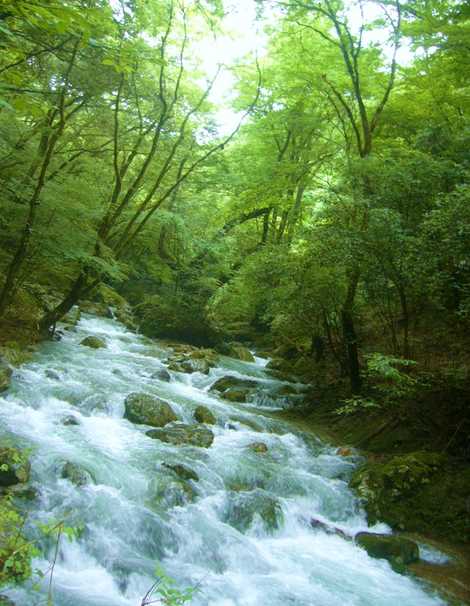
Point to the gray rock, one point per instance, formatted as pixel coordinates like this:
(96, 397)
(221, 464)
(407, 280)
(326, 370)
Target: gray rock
(93, 342)
(70, 420)
(244, 505)
(52, 374)
(76, 474)
(146, 409)
(203, 415)
(162, 375)
(181, 433)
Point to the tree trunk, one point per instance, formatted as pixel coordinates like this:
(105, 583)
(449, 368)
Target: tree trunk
(350, 339)
(349, 335)
(79, 288)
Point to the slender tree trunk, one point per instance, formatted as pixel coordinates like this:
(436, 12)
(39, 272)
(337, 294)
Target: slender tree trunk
(406, 322)
(349, 335)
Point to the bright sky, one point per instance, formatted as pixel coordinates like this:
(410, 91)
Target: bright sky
(247, 36)
(244, 35)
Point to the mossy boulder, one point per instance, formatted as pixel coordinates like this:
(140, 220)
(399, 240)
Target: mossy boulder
(229, 382)
(235, 350)
(203, 415)
(93, 342)
(145, 409)
(421, 492)
(70, 420)
(381, 484)
(14, 466)
(166, 492)
(188, 365)
(258, 447)
(182, 471)
(162, 375)
(189, 359)
(76, 474)
(5, 375)
(4, 601)
(181, 433)
(236, 394)
(395, 549)
(245, 506)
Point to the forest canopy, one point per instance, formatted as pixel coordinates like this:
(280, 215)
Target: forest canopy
(331, 218)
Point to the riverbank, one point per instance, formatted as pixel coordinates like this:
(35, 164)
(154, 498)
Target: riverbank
(421, 494)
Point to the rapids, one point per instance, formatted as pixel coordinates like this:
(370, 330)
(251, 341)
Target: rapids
(124, 538)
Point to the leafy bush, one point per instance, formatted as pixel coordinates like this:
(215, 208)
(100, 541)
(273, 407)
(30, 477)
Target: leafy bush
(16, 552)
(385, 375)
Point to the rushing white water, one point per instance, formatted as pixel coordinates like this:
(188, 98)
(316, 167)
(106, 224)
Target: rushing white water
(199, 544)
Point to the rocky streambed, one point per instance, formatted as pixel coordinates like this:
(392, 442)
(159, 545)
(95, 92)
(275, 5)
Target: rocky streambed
(162, 455)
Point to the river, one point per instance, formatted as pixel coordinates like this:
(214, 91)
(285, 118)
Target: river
(215, 541)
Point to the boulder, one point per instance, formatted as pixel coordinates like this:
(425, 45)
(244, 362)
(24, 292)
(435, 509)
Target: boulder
(229, 382)
(5, 375)
(188, 365)
(258, 447)
(389, 485)
(234, 394)
(181, 433)
(52, 374)
(236, 350)
(203, 415)
(93, 342)
(144, 409)
(395, 549)
(4, 601)
(210, 355)
(76, 474)
(245, 505)
(183, 472)
(70, 420)
(162, 375)
(166, 492)
(14, 466)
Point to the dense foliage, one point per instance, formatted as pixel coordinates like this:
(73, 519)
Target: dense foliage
(334, 222)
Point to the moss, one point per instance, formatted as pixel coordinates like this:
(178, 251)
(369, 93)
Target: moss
(421, 492)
